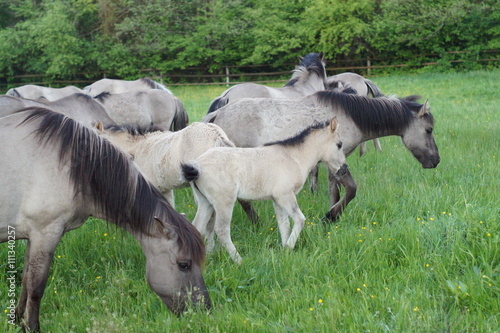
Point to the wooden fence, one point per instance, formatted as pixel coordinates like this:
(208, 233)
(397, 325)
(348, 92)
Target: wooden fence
(240, 74)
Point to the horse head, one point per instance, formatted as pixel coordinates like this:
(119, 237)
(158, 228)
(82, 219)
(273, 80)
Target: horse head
(174, 266)
(419, 139)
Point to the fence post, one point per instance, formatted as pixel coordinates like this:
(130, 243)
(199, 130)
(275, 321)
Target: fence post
(368, 66)
(227, 76)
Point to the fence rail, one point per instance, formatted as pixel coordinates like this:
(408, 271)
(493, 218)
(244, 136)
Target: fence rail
(239, 74)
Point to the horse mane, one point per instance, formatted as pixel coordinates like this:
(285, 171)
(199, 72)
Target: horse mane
(106, 175)
(373, 114)
(151, 83)
(134, 130)
(300, 137)
(102, 96)
(311, 63)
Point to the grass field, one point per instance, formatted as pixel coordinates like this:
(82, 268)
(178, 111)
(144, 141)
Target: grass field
(418, 250)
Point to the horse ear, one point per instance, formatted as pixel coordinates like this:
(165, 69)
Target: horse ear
(322, 56)
(424, 109)
(333, 124)
(99, 126)
(165, 229)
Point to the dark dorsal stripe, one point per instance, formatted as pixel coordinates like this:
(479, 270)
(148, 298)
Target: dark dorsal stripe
(300, 137)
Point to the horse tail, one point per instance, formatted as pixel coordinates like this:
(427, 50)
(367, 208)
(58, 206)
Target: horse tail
(181, 118)
(189, 172)
(217, 104)
(373, 89)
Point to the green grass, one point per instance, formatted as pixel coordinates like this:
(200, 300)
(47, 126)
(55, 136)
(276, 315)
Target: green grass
(418, 250)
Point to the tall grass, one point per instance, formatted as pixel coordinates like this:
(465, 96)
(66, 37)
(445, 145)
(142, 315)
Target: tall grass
(418, 250)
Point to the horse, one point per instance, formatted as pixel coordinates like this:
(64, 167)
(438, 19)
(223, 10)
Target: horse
(252, 122)
(309, 77)
(54, 174)
(159, 154)
(115, 86)
(32, 91)
(145, 108)
(275, 171)
(79, 107)
(363, 87)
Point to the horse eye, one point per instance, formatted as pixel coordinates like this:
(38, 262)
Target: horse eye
(339, 145)
(184, 265)
(429, 131)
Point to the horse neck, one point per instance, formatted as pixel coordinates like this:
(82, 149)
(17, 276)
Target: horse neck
(127, 143)
(307, 153)
(310, 85)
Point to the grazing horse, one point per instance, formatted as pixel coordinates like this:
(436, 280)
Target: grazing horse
(308, 78)
(252, 122)
(159, 155)
(54, 174)
(79, 107)
(32, 91)
(363, 87)
(145, 108)
(115, 86)
(276, 171)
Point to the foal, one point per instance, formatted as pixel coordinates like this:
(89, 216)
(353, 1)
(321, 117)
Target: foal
(159, 154)
(276, 171)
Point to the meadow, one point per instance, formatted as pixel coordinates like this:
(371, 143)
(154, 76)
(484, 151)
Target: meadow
(417, 250)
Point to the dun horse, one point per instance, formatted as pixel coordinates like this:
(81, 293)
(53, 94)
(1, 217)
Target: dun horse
(115, 86)
(145, 108)
(252, 122)
(54, 173)
(309, 77)
(276, 171)
(79, 107)
(32, 91)
(160, 154)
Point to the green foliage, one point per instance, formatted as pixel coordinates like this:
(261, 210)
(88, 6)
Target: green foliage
(61, 38)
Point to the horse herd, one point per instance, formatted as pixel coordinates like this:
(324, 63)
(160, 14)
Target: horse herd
(117, 149)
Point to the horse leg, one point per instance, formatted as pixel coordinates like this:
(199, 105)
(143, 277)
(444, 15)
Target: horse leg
(343, 177)
(210, 234)
(169, 195)
(362, 148)
(283, 223)
(313, 178)
(223, 214)
(21, 305)
(289, 204)
(41, 253)
(376, 143)
(203, 215)
(251, 213)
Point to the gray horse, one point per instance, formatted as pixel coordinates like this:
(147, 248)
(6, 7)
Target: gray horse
(145, 108)
(308, 78)
(116, 86)
(253, 122)
(79, 107)
(32, 91)
(54, 174)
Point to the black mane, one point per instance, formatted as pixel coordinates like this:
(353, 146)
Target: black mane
(313, 63)
(373, 114)
(102, 96)
(133, 130)
(102, 173)
(151, 83)
(300, 137)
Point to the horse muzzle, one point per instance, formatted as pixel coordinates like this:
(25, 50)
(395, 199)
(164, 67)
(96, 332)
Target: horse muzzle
(343, 170)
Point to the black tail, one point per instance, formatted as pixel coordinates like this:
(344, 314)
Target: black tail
(189, 172)
(217, 104)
